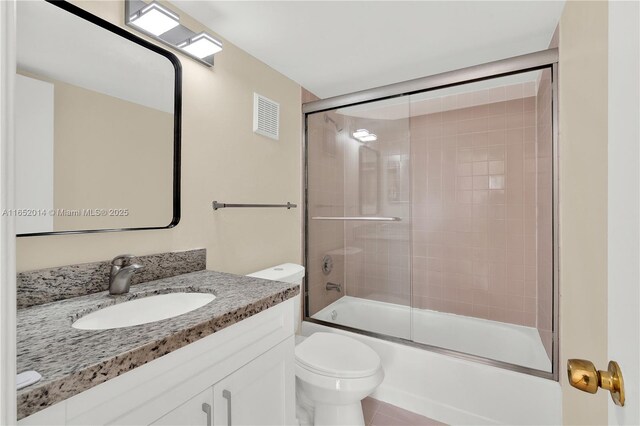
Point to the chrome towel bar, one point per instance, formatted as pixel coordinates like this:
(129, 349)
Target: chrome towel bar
(217, 205)
(367, 218)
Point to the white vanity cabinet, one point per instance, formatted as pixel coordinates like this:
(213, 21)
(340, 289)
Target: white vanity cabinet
(245, 373)
(197, 411)
(254, 394)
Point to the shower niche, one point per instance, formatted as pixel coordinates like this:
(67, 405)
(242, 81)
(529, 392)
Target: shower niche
(445, 220)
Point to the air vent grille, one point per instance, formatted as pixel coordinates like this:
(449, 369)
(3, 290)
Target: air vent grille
(266, 117)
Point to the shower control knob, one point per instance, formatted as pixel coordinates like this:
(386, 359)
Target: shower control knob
(327, 264)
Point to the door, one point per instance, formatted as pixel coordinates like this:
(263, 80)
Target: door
(622, 234)
(260, 393)
(197, 411)
(624, 212)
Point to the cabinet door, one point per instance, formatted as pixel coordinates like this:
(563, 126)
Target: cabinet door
(260, 393)
(197, 411)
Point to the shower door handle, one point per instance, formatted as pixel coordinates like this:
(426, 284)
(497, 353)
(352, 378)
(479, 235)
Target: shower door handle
(365, 218)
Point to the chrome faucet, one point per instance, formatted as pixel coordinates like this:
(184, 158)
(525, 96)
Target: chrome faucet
(334, 286)
(122, 271)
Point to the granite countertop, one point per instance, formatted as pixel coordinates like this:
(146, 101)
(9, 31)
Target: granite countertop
(71, 361)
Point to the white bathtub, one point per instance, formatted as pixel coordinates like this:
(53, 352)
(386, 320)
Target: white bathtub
(445, 388)
(510, 343)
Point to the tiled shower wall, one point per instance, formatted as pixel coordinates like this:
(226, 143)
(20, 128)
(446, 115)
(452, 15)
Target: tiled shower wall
(475, 237)
(378, 266)
(474, 205)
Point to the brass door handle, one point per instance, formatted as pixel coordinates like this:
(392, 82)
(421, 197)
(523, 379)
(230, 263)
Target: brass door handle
(584, 376)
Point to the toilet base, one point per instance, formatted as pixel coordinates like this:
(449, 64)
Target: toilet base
(304, 408)
(338, 415)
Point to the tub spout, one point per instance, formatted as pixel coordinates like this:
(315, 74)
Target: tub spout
(334, 286)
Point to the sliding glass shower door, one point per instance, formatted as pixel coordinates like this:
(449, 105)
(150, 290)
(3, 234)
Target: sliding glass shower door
(359, 217)
(482, 247)
(431, 216)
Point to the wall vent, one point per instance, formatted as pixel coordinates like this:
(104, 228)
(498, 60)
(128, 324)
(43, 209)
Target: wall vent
(266, 117)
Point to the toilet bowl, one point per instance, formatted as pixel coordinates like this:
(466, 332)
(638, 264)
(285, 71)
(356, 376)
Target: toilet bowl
(333, 372)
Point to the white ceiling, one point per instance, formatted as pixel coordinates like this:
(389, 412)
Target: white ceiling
(514, 86)
(337, 47)
(55, 44)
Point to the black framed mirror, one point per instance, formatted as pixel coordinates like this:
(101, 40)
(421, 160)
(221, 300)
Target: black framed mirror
(98, 125)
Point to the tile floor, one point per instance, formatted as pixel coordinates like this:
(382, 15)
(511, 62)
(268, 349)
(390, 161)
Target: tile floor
(378, 413)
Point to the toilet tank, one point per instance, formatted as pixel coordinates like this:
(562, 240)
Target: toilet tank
(288, 273)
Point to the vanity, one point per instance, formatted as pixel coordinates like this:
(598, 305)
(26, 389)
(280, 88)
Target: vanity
(98, 115)
(228, 362)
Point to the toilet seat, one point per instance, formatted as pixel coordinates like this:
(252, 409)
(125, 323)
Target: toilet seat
(336, 356)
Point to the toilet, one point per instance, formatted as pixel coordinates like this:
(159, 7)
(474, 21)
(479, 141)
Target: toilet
(288, 273)
(333, 372)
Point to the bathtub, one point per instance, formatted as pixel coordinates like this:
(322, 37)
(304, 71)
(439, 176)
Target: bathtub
(445, 388)
(510, 343)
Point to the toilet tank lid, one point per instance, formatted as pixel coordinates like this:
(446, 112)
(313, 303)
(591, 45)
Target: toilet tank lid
(286, 272)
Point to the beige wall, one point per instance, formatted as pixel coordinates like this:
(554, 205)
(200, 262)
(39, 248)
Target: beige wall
(121, 160)
(222, 159)
(583, 201)
(90, 152)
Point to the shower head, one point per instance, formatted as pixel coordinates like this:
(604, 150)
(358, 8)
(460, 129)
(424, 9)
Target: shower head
(328, 119)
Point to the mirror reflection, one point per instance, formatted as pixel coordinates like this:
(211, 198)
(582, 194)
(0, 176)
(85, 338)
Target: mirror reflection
(369, 180)
(398, 178)
(95, 126)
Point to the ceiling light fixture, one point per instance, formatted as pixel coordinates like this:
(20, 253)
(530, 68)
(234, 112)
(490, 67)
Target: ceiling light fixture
(369, 138)
(155, 19)
(201, 45)
(363, 135)
(163, 25)
(360, 133)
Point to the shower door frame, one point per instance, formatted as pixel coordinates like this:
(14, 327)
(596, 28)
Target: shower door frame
(545, 59)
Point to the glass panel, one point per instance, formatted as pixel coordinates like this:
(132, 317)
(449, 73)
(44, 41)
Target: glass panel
(359, 217)
(482, 211)
(467, 172)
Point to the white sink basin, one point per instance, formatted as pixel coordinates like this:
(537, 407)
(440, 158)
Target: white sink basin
(143, 311)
